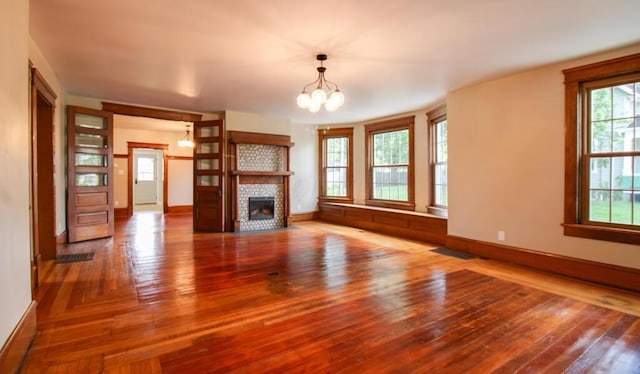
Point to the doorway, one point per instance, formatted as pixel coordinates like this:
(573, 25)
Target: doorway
(148, 178)
(147, 182)
(43, 207)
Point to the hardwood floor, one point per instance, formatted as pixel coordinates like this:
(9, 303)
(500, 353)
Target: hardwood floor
(316, 298)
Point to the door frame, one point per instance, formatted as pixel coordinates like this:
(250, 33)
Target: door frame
(43, 193)
(165, 179)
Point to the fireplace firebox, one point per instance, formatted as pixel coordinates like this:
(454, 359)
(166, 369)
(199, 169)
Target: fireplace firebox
(261, 207)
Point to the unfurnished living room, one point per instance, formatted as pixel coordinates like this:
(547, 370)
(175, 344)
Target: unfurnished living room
(413, 186)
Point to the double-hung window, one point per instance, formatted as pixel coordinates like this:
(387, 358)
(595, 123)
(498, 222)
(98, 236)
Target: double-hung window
(336, 171)
(602, 160)
(438, 157)
(390, 164)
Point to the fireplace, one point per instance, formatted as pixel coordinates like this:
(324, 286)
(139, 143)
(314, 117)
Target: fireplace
(261, 207)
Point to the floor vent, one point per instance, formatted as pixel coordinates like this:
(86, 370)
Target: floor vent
(75, 257)
(453, 253)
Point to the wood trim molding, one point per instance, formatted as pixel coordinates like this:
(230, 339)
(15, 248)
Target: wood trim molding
(610, 275)
(180, 158)
(120, 156)
(165, 183)
(180, 209)
(61, 238)
(242, 137)
(121, 212)
(18, 343)
(299, 217)
(407, 224)
(138, 111)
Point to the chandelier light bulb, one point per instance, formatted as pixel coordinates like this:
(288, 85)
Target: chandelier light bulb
(318, 96)
(338, 97)
(304, 100)
(315, 106)
(326, 92)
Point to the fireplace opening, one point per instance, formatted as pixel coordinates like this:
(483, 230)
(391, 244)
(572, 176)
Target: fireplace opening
(261, 207)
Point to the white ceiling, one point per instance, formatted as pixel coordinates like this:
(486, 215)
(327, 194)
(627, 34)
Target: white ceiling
(256, 55)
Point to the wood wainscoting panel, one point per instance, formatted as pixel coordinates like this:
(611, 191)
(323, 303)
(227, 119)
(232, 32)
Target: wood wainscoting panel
(414, 225)
(61, 238)
(15, 349)
(299, 217)
(611, 275)
(121, 212)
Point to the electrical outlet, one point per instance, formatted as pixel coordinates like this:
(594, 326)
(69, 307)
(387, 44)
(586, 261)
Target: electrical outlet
(501, 235)
(116, 203)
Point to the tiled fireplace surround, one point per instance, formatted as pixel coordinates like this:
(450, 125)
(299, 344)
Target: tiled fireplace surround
(259, 168)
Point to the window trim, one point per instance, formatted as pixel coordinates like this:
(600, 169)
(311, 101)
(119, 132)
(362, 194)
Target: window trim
(435, 116)
(323, 135)
(404, 123)
(575, 78)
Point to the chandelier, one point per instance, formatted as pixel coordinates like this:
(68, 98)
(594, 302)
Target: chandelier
(186, 141)
(325, 92)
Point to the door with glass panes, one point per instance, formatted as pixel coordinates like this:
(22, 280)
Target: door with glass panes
(208, 176)
(90, 174)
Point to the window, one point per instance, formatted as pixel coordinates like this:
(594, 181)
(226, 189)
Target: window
(336, 172)
(390, 164)
(602, 183)
(146, 169)
(438, 136)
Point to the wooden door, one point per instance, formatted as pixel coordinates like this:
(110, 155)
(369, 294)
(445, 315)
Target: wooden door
(208, 174)
(146, 178)
(90, 174)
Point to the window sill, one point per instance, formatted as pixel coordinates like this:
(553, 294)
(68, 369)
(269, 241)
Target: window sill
(438, 211)
(391, 204)
(331, 199)
(602, 233)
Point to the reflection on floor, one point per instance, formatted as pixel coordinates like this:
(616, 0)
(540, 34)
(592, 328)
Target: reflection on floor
(147, 208)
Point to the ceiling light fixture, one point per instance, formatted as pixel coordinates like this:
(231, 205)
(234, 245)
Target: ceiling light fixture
(326, 92)
(186, 140)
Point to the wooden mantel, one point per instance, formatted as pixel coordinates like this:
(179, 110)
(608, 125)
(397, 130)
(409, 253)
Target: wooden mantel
(241, 137)
(238, 177)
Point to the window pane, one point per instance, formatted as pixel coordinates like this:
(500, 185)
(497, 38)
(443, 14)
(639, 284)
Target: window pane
(87, 159)
(636, 173)
(600, 176)
(601, 104)
(441, 195)
(637, 96)
(391, 148)
(390, 183)
(90, 140)
(636, 208)
(623, 135)
(601, 136)
(146, 169)
(599, 206)
(621, 207)
(91, 122)
(623, 101)
(337, 151)
(337, 182)
(621, 177)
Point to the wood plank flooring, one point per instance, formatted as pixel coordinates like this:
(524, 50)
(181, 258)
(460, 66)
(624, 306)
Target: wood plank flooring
(316, 298)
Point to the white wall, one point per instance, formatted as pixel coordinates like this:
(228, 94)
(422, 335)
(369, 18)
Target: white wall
(249, 122)
(15, 279)
(60, 131)
(180, 183)
(506, 164)
(303, 189)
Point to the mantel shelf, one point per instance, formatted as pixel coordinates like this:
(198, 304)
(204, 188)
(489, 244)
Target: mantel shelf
(265, 173)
